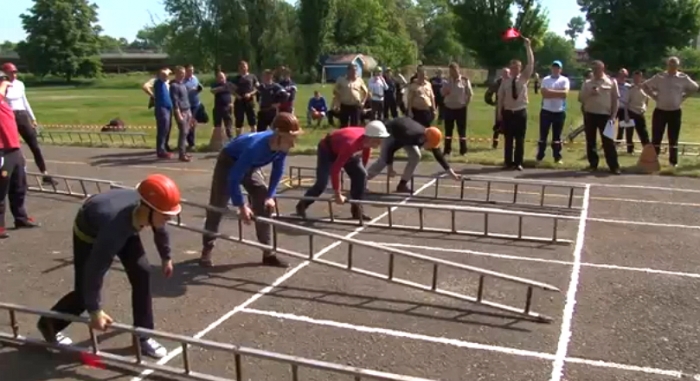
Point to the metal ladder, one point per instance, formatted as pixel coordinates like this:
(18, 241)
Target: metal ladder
(488, 185)
(296, 364)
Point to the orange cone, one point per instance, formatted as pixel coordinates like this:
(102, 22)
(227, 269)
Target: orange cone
(649, 160)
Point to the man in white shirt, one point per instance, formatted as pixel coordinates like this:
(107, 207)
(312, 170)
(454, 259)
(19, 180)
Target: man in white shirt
(623, 87)
(377, 87)
(555, 88)
(16, 97)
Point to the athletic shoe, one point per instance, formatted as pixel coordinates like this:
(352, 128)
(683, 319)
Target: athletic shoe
(3, 233)
(273, 261)
(151, 348)
(58, 338)
(26, 224)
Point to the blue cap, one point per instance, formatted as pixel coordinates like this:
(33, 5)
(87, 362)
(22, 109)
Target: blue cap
(557, 63)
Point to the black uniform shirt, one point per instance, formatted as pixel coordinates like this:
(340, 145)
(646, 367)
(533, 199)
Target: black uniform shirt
(407, 132)
(245, 83)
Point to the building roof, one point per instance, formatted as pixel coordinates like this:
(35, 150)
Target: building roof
(368, 63)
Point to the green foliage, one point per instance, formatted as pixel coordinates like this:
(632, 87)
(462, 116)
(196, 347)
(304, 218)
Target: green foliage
(63, 38)
(316, 19)
(575, 27)
(636, 33)
(7, 46)
(555, 47)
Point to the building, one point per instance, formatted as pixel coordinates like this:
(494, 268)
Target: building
(336, 66)
(582, 56)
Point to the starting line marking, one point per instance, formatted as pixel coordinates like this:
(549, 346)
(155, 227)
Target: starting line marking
(177, 351)
(541, 260)
(464, 344)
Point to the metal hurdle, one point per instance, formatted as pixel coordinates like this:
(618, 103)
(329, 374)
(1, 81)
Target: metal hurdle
(295, 363)
(393, 253)
(70, 182)
(454, 212)
(296, 178)
(90, 136)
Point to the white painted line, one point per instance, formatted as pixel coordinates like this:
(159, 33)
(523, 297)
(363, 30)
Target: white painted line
(570, 306)
(540, 260)
(177, 351)
(460, 343)
(641, 223)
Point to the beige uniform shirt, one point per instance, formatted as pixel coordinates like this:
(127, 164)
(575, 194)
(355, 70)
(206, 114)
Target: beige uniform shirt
(600, 102)
(350, 93)
(505, 92)
(636, 99)
(149, 84)
(670, 90)
(420, 95)
(457, 93)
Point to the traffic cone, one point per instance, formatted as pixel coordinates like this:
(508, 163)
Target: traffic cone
(648, 160)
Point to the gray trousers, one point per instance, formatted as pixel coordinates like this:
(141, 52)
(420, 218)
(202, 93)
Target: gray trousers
(219, 196)
(414, 156)
(183, 127)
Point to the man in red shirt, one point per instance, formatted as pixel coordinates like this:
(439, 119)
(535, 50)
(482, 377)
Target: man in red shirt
(337, 150)
(13, 179)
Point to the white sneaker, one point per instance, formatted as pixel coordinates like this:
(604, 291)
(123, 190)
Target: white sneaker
(63, 340)
(153, 349)
(58, 338)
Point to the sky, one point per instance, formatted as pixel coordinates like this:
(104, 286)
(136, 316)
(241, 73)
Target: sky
(124, 18)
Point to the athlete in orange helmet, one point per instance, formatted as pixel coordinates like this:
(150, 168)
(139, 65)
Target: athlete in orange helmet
(108, 225)
(410, 135)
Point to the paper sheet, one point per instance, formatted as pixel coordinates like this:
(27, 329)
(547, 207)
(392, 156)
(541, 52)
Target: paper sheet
(609, 130)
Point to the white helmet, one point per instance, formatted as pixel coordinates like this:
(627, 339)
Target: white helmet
(376, 129)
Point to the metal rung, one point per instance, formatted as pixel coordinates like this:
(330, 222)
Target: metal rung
(525, 311)
(520, 218)
(67, 185)
(57, 136)
(485, 184)
(186, 343)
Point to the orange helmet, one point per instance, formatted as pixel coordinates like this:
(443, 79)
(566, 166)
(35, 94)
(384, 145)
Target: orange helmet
(433, 137)
(161, 194)
(286, 122)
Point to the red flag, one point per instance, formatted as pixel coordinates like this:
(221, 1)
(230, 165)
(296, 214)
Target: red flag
(92, 360)
(510, 34)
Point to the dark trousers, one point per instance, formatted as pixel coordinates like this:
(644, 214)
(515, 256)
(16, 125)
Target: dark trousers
(377, 110)
(163, 124)
(13, 185)
(243, 109)
(594, 124)
(553, 121)
(184, 127)
(423, 117)
(514, 129)
(390, 107)
(324, 161)
(659, 120)
(640, 125)
(219, 197)
(222, 117)
(265, 118)
(456, 116)
(349, 115)
(440, 110)
(28, 134)
(138, 271)
(191, 133)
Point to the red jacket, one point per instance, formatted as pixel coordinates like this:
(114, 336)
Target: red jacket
(9, 134)
(344, 143)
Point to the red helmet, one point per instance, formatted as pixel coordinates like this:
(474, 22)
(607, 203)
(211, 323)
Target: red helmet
(9, 67)
(161, 194)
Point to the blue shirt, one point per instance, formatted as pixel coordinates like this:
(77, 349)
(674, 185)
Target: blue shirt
(318, 104)
(252, 151)
(162, 94)
(192, 84)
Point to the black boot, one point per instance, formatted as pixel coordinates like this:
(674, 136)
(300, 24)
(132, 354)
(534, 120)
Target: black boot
(403, 187)
(357, 214)
(301, 209)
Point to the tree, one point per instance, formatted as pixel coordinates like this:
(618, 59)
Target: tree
(690, 57)
(575, 27)
(62, 39)
(481, 24)
(316, 19)
(634, 34)
(442, 43)
(111, 44)
(7, 46)
(555, 47)
(154, 38)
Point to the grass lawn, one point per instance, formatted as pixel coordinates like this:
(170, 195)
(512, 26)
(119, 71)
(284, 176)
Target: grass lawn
(60, 107)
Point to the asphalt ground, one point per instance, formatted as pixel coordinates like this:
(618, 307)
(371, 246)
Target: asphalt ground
(629, 314)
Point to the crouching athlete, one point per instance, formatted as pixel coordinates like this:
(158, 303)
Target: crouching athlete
(410, 135)
(239, 164)
(108, 225)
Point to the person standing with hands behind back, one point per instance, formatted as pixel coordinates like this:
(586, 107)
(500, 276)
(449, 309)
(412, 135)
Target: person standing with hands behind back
(457, 93)
(246, 85)
(512, 104)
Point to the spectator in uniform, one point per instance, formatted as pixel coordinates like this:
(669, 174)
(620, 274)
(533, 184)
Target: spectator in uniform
(378, 88)
(390, 95)
(245, 88)
(457, 93)
(338, 150)
(669, 89)
(351, 93)
(182, 111)
(290, 89)
(555, 89)
(163, 110)
(401, 88)
(512, 103)
(600, 99)
(16, 97)
(238, 164)
(421, 100)
(223, 104)
(408, 134)
(437, 82)
(623, 87)
(194, 87)
(13, 178)
(271, 94)
(637, 102)
(108, 225)
(491, 98)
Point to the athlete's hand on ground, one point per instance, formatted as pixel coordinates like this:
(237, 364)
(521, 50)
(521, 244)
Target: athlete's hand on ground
(167, 267)
(340, 199)
(245, 214)
(456, 176)
(100, 320)
(270, 204)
